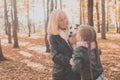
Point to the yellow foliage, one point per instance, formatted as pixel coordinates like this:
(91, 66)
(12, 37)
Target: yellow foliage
(109, 0)
(17, 0)
(113, 6)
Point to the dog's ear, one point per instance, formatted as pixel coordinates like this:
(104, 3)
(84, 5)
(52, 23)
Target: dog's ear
(77, 25)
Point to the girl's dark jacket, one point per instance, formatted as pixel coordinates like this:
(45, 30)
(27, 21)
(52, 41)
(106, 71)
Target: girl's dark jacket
(81, 63)
(61, 53)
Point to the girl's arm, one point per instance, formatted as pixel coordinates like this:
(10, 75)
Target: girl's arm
(77, 62)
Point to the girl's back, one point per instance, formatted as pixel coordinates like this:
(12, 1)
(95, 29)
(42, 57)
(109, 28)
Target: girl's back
(81, 63)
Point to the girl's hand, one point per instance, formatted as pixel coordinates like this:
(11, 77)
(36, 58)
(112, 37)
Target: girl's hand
(71, 61)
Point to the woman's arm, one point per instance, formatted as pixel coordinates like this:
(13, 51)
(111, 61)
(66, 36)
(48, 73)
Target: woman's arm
(58, 57)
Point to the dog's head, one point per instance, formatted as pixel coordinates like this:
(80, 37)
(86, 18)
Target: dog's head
(73, 30)
(72, 34)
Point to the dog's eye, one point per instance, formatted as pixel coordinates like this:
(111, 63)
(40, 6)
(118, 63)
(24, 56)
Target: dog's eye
(75, 28)
(70, 27)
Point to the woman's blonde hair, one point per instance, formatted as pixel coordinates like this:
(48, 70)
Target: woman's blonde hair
(53, 21)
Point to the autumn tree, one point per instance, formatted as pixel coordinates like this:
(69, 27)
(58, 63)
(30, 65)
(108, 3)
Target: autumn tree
(55, 4)
(12, 14)
(103, 35)
(5, 17)
(90, 12)
(83, 9)
(107, 11)
(1, 53)
(98, 17)
(60, 4)
(7, 23)
(119, 17)
(15, 27)
(46, 17)
(29, 28)
(51, 5)
(80, 12)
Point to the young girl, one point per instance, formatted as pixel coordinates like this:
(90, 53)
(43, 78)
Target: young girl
(61, 50)
(86, 60)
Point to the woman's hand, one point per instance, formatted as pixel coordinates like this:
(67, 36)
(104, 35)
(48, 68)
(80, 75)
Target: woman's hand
(72, 40)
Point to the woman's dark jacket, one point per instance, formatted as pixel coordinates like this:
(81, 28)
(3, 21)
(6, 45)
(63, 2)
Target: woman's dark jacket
(81, 63)
(61, 53)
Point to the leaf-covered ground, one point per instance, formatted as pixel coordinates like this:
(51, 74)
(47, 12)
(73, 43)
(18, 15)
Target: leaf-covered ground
(31, 62)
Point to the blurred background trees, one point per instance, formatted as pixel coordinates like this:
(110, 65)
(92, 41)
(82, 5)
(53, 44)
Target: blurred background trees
(31, 16)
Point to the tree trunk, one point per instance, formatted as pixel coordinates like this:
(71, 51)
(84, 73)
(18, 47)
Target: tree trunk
(46, 24)
(116, 15)
(6, 31)
(5, 17)
(29, 28)
(119, 18)
(103, 20)
(55, 4)
(52, 6)
(1, 53)
(83, 7)
(12, 23)
(80, 12)
(60, 4)
(90, 12)
(119, 28)
(34, 30)
(107, 18)
(9, 33)
(15, 25)
(98, 18)
(107, 27)
(7, 23)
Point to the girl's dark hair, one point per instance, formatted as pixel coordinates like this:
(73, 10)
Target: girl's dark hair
(88, 34)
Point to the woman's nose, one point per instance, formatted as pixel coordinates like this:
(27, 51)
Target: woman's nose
(64, 21)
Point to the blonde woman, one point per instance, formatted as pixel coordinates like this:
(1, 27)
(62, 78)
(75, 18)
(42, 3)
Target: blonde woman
(61, 50)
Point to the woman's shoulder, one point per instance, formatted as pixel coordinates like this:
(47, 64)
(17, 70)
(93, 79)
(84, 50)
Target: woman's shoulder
(53, 36)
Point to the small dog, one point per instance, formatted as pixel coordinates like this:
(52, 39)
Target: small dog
(72, 34)
(73, 30)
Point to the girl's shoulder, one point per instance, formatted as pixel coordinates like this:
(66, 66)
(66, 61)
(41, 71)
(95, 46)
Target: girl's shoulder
(80, 51)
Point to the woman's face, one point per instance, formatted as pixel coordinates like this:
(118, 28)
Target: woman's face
(63, 22)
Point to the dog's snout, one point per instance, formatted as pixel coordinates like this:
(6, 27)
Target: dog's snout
(70, 32)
